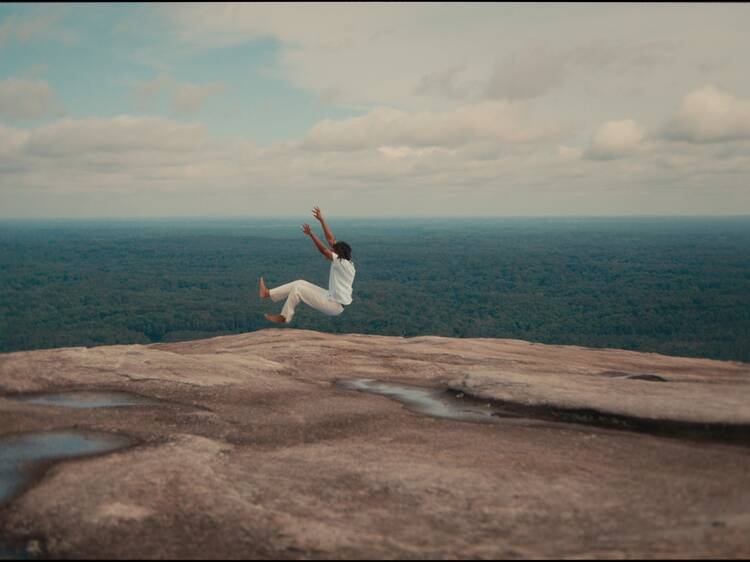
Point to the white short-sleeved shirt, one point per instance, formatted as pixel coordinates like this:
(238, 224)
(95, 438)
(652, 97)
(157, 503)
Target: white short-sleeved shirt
(340, 280)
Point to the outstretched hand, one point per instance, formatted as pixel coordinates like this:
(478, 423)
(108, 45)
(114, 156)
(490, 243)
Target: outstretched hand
(306, 229)
(317, 214)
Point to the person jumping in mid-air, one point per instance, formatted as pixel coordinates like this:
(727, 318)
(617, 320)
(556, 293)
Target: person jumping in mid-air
(330, 302)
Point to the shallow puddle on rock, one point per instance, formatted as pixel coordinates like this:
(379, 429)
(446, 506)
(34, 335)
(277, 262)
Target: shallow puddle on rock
(425, 401)
(85, 399)
(7, 553)
(455, 405)
(21, 453)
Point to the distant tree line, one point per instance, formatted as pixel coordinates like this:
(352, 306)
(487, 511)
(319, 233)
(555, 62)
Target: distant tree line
(680, 287)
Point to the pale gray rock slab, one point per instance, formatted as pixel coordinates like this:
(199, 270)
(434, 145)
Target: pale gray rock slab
(255, 450)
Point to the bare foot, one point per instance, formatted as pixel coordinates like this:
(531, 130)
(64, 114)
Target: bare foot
(264, 293)
(278, 318)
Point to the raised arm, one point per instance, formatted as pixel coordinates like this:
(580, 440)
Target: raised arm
(318, 244)
(326, 230)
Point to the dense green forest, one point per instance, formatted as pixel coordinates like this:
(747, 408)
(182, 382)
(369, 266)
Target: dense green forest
(679, 286)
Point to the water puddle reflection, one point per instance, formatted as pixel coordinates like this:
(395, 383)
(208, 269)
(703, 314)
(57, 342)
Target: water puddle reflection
(20, 454)
(425, 401)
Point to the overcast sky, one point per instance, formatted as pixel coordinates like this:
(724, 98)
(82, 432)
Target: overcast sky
(374, 109)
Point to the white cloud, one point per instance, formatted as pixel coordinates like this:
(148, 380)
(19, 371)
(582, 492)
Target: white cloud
(188, 98)
(135, 155)
(22, 98)
(616, 139)
(182, 98)
(153, 166)
(399, 152)
(569, 152)
(622, 56)
(11, 142)
(500, 122)
(120, 154)
(41, 24)
(121, 135)
(445, 83)
(406, 55)
(483, 158)
(436, 127)
(537, 70)
(710, 115)
(525, 75)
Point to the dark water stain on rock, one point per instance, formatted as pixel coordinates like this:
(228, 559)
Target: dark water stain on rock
(647, 377)
(634, 376)
(85, 399)
(22, 454)
(424, 401)
(456, 405)
(736, 434)
(8, 553)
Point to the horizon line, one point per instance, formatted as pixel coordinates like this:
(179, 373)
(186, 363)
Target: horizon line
(376, 217)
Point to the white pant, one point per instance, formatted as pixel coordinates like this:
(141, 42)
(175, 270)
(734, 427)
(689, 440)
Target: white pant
(312, 295)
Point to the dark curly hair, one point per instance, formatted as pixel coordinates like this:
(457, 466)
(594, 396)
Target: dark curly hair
(343, 250)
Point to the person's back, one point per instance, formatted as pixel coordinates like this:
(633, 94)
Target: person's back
(340, 279)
